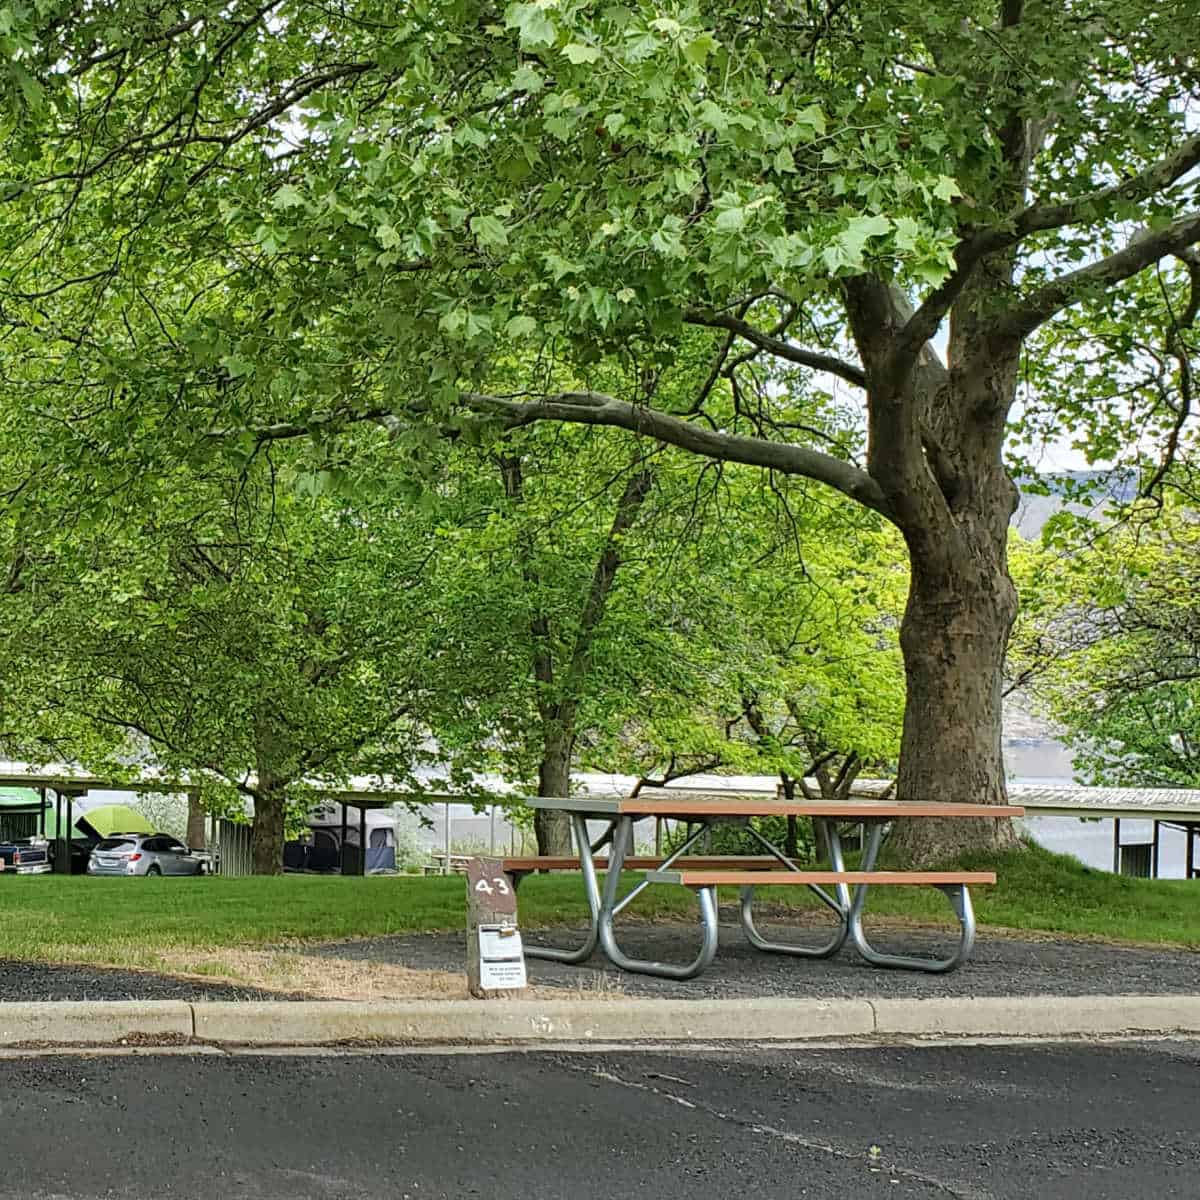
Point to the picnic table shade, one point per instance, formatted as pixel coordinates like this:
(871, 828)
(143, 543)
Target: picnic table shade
(21, 799)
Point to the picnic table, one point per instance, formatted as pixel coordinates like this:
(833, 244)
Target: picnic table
(704, 874)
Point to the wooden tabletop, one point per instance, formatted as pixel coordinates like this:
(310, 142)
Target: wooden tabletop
(685, 808)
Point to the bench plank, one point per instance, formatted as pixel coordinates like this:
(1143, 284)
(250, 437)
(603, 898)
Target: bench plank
(692, 878)
(844, 810)
(752, 862)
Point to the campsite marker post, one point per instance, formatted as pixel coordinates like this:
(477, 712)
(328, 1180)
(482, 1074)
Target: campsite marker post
(495, 958)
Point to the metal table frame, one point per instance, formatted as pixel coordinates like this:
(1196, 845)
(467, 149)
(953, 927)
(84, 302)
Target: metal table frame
(847, 902)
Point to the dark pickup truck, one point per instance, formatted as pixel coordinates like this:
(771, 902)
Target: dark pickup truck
(25, 857)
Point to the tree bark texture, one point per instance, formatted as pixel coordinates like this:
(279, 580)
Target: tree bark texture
(553, 828)
(266, 834)
(196, 837)
(954, 635)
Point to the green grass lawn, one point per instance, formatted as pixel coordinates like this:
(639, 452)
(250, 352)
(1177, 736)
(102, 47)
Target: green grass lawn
(160, 922)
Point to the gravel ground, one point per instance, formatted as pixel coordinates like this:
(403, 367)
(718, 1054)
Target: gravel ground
(42, 981)
(1001, 966)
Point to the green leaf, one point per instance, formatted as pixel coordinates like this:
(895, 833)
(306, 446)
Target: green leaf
(521, 327)
(532, 25)
(699, 48)
(713, 116)
(810, 120)
(731, 219)
(578, 53)
(490, 232)
(526, 79)
(387, 236)
(287, 196)
(946, 188)
(237, 367)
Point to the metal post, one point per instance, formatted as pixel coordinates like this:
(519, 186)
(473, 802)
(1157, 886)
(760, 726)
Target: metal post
(362, 841)
(492, 832)
(342, 847)
(1154, 853)
(658, 830)
(58, 831)
(446, 864)
(1190, 870)
(1116, 845)
(42, 814)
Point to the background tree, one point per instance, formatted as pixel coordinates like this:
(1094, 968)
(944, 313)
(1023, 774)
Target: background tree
(240, 632)
(1122, 681)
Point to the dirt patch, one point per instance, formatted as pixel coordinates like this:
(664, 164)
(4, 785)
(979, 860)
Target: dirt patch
(334, 978)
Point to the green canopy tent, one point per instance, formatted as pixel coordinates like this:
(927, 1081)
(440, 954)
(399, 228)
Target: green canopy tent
(102, 821)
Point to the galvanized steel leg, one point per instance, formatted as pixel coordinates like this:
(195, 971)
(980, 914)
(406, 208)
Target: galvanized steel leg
(960, 901)
(840, 905)
(591, 887)
(622, 843)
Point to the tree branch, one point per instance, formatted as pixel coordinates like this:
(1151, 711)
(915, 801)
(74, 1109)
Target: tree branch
(1142, 251)
(594, 408)
(634, 496)
(1155, 178)
(1036, 218)
(815, 359)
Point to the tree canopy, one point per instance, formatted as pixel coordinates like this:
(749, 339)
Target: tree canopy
(234, 224)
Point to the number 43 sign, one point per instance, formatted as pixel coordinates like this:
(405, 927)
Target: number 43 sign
(489, 887)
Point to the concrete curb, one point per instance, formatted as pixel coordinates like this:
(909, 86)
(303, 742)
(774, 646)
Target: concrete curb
(470, 1022)
(67, 1022)
(1039, 1016)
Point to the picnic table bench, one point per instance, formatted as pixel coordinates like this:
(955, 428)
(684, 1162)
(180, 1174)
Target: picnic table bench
(703, 874)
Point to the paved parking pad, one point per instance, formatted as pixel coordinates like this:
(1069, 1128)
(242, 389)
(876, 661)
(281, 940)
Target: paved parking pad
(980, 1122)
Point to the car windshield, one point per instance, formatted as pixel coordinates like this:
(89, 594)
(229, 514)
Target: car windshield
(109, 844)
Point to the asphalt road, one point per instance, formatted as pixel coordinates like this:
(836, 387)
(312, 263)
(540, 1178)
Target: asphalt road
(1106, 1122)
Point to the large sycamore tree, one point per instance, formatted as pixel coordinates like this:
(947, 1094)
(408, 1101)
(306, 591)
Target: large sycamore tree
(388, 206)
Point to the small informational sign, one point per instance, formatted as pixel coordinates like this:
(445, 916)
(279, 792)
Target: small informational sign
(495, 956)
(501, 958)
(500, 942)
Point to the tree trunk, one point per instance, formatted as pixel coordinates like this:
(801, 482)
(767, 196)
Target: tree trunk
(196, 838)
(553, 829)
(266, 835)
(954, 635)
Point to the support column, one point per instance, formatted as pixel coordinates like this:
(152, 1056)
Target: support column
(1189, 870)
(1154, 853)
(362, 841)
(1116, 845)
(342, 845)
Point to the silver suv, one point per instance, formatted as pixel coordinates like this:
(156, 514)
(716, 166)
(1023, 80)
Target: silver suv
(144, 854)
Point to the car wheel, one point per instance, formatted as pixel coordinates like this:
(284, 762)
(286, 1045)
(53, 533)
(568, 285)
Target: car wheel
(154, 870)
